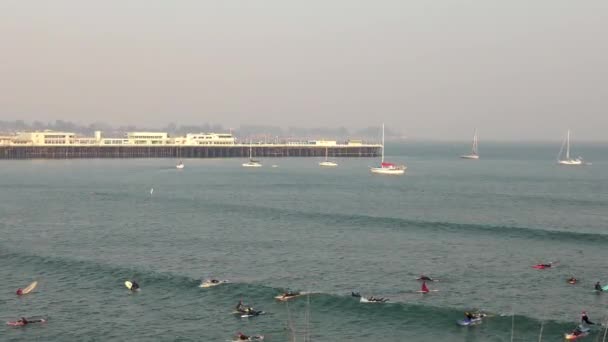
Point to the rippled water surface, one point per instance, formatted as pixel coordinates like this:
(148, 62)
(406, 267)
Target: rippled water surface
(83, 227)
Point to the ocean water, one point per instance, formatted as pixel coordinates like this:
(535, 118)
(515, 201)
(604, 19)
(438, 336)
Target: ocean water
(83, 227)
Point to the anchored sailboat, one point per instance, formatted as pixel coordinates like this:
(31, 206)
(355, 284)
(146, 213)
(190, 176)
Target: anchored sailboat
(179, 165)
(474, 153)
(387, 168)
(566, 159)
(252, 162)
(327, 163)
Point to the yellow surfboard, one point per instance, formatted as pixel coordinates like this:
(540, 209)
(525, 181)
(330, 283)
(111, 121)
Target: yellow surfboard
(128, 284)
(30, 287)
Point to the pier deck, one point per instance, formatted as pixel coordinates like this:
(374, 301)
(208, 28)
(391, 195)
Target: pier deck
(232, 151)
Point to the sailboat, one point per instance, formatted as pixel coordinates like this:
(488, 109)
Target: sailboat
(474, 154)
(387, 168)
(327, 163)
(566, 160)
(252, 162)
(179, 165)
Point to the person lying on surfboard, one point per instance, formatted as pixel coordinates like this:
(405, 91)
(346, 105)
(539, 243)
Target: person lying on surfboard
(290, 294)
(242, 337)
(598, 287)
(425, 278)
(572, 280)
(25, 321)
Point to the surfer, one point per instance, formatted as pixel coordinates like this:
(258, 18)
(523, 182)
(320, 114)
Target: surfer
(214, 281)
(19, 292)
(291, 293)
(585, 318)
(598, 287)
(424, 288)
(425, 278)
(240, 307)
(24, 321)
(242, 336)
(572, 280)
(134, 285)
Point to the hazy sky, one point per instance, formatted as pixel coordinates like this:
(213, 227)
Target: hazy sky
(515, 69)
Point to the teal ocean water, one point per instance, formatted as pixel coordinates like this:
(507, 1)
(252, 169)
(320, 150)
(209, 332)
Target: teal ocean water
(83, 227)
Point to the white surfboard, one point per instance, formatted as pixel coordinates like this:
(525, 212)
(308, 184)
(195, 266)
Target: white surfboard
(30, 287)
(129, 285)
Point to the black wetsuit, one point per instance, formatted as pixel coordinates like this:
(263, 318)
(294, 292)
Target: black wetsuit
(585, 319)
(598, 287)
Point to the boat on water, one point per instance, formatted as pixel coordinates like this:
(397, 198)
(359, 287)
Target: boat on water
(180, 164)
(252, 162)
(474, 155)
(565, 159)
(327, 162)
(387, 168)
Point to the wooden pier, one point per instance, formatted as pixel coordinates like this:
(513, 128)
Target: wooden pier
(233, 151)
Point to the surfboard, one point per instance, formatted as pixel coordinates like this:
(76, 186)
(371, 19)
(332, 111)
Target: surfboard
(605, 288)
(208, 283)
(129, 285)
(252, 315)
(426, 279)
(365, 300)
(284, 299)
(252, 338)
(30, 287)
(15, 324)
(465, 322)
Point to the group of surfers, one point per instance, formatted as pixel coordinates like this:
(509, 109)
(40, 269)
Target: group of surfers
(248, 310)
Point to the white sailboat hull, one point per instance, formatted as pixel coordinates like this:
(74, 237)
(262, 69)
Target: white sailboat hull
(328, 164)
(388, 171)
(179, 166)
(252, 164)
(571, 162)
(470, 156)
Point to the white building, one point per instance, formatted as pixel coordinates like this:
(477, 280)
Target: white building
(193, 139)
(148, 138)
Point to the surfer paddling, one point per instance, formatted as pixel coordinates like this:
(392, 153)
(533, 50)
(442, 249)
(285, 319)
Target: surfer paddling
(425, 278)
(24, 321)
(288, 295)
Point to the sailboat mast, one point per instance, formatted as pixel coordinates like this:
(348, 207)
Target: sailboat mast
(382, 142)
(250, 155)
(475, 141)
(326, 148)
(568, 145)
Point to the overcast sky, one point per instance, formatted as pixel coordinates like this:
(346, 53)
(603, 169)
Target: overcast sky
(514, 69)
